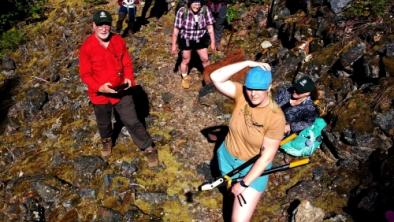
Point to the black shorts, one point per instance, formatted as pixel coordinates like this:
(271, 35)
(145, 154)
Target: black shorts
(194, 45)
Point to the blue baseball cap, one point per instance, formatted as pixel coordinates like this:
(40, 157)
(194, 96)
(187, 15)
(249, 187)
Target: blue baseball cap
(258, 78)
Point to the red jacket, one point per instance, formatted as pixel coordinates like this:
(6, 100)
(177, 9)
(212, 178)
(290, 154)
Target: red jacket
(99, 65)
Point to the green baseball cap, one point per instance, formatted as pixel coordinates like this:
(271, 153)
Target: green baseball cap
(102, 17)
(304, 84)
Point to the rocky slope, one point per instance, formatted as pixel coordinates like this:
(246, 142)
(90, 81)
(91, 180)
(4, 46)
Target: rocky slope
(50, 164)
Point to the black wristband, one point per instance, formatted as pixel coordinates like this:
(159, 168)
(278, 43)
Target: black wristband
(242, 183)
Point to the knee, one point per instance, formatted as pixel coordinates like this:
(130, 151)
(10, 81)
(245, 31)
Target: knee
(185, 60)
(205, 60)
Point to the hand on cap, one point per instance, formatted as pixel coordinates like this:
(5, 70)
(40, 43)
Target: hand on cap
(105, 88)
(263, 65)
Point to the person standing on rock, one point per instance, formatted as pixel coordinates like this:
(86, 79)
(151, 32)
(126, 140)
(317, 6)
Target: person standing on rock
(219, 11)
(296, 103)
(256, 127)
(193, 30)
(107, 70)
(126, 7)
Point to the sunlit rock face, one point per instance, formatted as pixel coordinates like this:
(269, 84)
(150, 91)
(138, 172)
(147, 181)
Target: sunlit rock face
(50, 163)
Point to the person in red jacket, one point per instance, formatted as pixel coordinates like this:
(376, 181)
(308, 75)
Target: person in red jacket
(107, 70)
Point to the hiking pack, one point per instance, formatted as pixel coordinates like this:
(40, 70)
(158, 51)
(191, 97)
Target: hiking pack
(203, 9)
(307, 141)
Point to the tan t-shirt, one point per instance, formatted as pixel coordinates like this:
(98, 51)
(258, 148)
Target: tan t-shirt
(249, 125)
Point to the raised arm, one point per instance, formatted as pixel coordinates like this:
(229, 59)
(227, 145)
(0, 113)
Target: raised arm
(221, 77)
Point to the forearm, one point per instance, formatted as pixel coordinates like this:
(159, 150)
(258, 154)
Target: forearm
(224, 73)
(175, 36)
(258, 168)
(267, 156)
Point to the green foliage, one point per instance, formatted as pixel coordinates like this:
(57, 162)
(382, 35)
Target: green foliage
(367, 8)
(232, 14)
(13, 11)
(10, 40)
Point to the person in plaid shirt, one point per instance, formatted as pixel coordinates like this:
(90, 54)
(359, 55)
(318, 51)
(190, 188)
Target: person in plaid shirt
(193, 30)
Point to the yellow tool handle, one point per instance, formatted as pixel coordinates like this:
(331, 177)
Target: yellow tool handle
(299, 163)
(288, 139)
(228, 180)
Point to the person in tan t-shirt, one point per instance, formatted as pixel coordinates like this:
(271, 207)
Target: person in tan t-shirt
(256, 126)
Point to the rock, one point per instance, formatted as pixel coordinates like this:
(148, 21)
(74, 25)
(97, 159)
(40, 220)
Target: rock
(35, 100)
(81, 136)
(309, 189)
(337, 218)
(373, 66)
(353, 54)
(390, 49)
(266, 44)
(317, 173)
(338, 5)
(305, 212)
(205, 170)
(88, 193)
(368, 202)
(156, 198)
(7, 64)
(48, 193)
(56, 101)
(128, 169)
(108, 215)
(87, 166)
(34, 211)
(349, 137)
(167, 97)
(386, 122)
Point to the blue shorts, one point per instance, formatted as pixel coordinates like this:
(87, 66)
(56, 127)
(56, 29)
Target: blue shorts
(228, 162)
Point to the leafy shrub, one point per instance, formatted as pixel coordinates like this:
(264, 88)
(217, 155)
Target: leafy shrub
(232, 14)
(13, 11)
(367, 8)
(10, 40)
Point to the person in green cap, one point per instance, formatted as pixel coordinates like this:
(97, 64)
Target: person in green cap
(106, 68)
(297, 104)
(256, 127)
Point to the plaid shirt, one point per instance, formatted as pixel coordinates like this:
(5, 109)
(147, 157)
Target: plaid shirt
(193, 27)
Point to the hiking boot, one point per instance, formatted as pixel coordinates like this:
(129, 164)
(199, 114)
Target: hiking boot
(186, 82)
(152, 155)
(107, 147)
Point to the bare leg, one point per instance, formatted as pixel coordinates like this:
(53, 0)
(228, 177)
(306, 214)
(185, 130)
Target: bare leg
(203, 53)
(244, 213)
(185, 61)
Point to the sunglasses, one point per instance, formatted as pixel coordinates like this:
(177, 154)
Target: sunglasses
(103, 23)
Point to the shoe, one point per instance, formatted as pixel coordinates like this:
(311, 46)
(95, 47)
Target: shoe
(186, 82)
(152, 155)
(107, 147)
